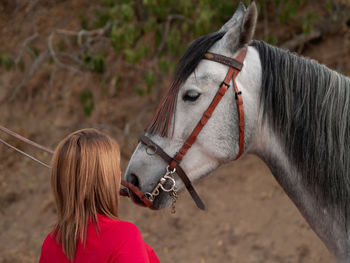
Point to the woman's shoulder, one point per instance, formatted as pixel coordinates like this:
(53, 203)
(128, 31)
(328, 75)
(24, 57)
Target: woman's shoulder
(125, 227)
(51, 251)
(49, 241)
(116, 225)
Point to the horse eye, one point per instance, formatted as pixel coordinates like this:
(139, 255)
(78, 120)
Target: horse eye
(191, 95)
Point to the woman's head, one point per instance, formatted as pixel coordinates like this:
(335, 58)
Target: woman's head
(85, 179)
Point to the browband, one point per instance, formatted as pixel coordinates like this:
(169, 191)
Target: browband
(231, 62)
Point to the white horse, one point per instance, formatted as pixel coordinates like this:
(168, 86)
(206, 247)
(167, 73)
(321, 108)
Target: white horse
(297, 120)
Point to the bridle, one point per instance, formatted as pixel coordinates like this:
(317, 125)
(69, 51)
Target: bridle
(235, 66)
(167, 183)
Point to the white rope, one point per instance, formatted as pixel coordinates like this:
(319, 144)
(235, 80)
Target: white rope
(25, 154)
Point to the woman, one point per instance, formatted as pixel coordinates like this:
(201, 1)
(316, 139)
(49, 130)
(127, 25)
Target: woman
(85, 180)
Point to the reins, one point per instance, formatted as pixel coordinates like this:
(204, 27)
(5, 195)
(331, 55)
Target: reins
(25, 154)
(123, 192)
(23, 139)
(173, 163)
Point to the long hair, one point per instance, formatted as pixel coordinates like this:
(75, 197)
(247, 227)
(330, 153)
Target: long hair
(85, 180)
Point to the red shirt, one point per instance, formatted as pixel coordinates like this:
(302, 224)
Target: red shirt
(117, 242)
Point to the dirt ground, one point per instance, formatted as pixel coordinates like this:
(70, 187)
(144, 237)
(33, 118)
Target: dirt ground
(249, 219)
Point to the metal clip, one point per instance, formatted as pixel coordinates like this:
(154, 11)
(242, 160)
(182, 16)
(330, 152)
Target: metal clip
(162, 181)
(167, 177)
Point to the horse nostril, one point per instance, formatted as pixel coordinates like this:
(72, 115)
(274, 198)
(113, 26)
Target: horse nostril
(132, 178)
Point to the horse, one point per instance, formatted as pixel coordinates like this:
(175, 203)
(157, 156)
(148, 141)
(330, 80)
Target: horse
(296, 119)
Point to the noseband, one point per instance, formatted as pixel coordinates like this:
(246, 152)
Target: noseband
(236, 65)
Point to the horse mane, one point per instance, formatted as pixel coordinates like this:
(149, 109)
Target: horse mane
(164, 115)
(308, 106)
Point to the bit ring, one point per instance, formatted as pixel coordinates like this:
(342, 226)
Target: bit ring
(172, 187)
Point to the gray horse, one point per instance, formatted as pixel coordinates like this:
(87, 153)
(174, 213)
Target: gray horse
(297, 120)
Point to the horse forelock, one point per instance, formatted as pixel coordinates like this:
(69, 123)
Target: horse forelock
(307, 105)
(165, 113)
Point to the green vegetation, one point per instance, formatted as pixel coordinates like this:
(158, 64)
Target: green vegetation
(160, 30)
(149, 36)
(7, 62)
(87, 102)
(96, 62)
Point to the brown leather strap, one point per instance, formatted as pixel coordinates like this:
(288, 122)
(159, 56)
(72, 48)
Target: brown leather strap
(240, 112)
(21, 138)
(239, 103)
(206, 116)
(231, 74)
(237, 64)
(124, 191)
(180, 172)
(231, 62)
(136, 191)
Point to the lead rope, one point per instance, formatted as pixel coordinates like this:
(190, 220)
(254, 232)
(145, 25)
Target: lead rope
(25, 154)
(174, 197)
(128, 186)
(173, 194)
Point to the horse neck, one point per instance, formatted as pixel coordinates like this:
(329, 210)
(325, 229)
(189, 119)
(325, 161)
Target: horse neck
(330, 227)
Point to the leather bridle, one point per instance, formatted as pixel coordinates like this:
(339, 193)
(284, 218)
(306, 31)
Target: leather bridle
(235, 66)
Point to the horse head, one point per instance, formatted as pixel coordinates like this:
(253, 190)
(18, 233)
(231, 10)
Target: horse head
(194, 87)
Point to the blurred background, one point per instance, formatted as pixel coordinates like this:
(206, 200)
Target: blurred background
(71, 64)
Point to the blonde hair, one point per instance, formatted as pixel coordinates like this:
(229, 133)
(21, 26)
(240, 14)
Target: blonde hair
(85, 180)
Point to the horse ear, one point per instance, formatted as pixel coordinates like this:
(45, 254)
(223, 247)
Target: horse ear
(249, 24)
(240, 28)
(236, 18)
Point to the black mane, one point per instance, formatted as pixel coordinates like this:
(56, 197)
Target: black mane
(193, 55)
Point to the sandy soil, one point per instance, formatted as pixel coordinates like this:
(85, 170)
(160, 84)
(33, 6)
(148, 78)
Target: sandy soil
(249, 219)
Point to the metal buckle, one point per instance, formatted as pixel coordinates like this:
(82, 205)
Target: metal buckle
(170, 171)
(238, 93)
(222, 83)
